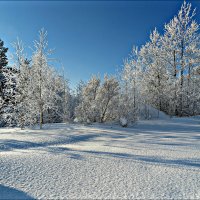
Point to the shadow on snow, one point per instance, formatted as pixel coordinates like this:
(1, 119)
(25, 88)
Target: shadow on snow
(12, 193)
(167, 134)
(8, 145)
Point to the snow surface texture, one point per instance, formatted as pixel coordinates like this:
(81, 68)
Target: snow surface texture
(153, 160)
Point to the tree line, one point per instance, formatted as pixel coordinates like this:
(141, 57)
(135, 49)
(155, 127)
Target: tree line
(163, 74)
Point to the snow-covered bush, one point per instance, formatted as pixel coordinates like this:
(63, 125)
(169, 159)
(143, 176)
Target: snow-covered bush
(123, 122)
(76, 120)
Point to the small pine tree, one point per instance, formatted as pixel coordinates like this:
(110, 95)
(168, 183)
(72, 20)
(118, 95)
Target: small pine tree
(3, 56)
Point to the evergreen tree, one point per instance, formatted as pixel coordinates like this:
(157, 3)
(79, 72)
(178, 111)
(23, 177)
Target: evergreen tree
(7, 88)
(3, 56)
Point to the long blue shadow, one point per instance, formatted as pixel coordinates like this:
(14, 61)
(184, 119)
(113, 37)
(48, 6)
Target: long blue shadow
(151, 159)
(8, 145)
(7, 193)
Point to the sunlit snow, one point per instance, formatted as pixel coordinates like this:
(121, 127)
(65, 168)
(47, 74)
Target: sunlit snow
(155, 159)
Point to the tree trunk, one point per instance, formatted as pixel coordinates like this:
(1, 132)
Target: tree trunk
(41, 118)
(175, 95)
(159, 90)
(104, 112)
(181, 77)
(188, 88)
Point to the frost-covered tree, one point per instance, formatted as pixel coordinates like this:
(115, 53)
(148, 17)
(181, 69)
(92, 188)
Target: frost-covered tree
(155, 76)
(66, 100)
(42, 94)
(180, 50)
(78, 93)
(88, 110)
(61, 112)
(108, 99)
(99, 101)
(24, 114)
(42, 78)
(129, 101)
(169, 66)
(76, 98)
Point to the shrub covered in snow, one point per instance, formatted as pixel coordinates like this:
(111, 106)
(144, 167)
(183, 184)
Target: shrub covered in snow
(123, 122)
(76, 120)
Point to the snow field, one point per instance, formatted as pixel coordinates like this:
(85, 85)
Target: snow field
(153, 160)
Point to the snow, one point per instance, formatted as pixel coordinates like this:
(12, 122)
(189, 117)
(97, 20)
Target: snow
(123, 122)
(155, 159)
(153, 113)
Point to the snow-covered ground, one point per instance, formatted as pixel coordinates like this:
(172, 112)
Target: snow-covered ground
(158, 159)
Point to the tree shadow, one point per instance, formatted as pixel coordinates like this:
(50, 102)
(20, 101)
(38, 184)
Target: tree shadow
(9, 145)
(7, 193)
(166, 134)
(170, 127)
(79, 155)
(150, 159)
(63, 150)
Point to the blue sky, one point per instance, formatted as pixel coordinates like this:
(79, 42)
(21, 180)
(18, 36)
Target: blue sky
(89, 37)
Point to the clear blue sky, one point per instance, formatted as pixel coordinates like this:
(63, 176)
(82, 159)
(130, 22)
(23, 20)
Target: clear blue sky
(88, 36)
